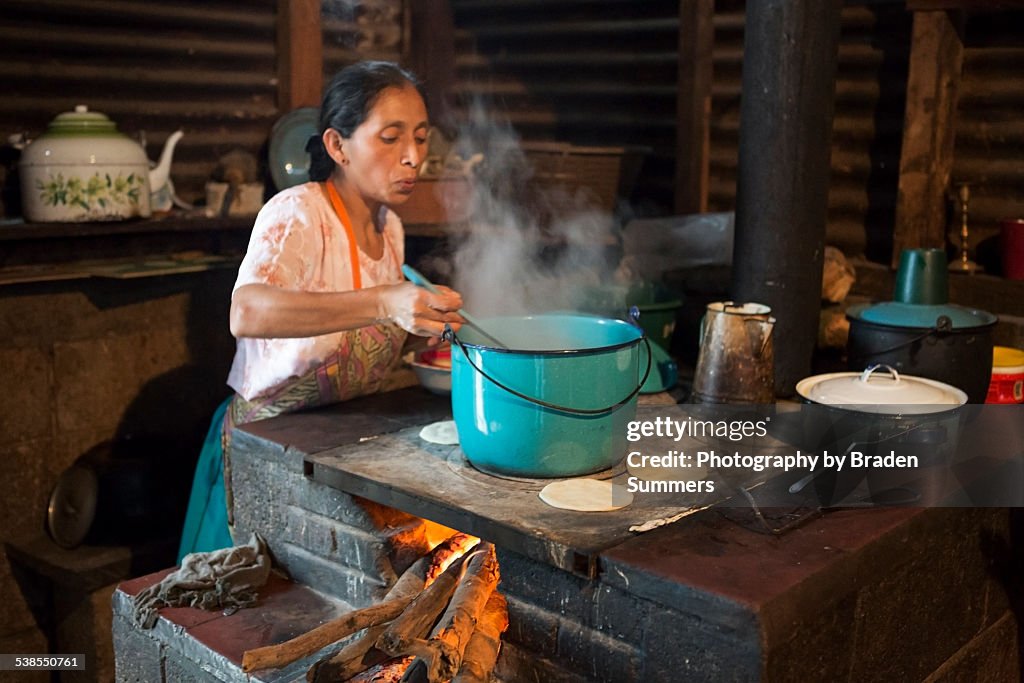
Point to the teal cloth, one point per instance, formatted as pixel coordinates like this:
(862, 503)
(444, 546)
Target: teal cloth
(206, 520)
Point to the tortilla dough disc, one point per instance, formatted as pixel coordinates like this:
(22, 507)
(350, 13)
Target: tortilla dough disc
(443, 433)
(586, 495)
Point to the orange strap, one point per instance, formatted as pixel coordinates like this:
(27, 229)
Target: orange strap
(353, 248)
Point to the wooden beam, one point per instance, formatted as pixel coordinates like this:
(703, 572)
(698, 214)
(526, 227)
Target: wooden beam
(693, 139)
(966, 5)
(926, 158)
(432, 56)
(300, 64)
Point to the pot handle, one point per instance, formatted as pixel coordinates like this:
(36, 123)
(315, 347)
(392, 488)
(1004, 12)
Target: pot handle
(943, 325)
(449, 335)
(870, 370)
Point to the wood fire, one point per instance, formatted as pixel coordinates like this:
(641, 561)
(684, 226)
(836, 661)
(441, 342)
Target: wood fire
(441, 621)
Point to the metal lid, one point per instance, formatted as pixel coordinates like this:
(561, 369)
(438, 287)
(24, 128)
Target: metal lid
(881, 392)
(72, 506)
(899, 314)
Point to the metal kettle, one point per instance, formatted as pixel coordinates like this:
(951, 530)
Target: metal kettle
(736, 362)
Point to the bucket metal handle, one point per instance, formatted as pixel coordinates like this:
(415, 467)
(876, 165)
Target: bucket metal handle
(449, 335)
(943, 325)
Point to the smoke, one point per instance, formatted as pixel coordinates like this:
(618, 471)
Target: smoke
(533, 245)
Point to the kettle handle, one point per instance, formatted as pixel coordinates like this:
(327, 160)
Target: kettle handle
(757, 351)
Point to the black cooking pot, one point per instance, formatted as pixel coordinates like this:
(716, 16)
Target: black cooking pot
(879, 414)
(946, 343)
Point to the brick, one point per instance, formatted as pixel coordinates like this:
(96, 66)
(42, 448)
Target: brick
(138, 656)
(521, 666)
(340, 543)
(683, 597)
(535, 629)
(354, 587)
(28, 394)
(620, 615)
(596, 655)
(250, 447)
(545, 586)
(260, 489)
(683, 647)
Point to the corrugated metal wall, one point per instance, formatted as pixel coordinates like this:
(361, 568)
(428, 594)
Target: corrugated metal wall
(604, 73)
(205, 66)
(990, 123)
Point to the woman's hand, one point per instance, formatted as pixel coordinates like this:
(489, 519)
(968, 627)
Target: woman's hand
(420, 312)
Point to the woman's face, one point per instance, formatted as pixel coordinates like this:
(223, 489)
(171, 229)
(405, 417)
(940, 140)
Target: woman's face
(386, 150)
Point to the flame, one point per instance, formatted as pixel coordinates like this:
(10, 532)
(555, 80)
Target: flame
(388, 672)
(459, 545)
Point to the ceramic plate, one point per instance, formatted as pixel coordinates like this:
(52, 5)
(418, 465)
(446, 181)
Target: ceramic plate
(289, 160)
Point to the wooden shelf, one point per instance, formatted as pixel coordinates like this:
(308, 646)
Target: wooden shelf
(177, 222)
(167, 245)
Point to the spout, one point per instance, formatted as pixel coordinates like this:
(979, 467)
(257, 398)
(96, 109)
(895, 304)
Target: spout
(161, 172)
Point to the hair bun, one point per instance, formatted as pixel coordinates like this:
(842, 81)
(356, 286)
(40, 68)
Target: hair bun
(320, 163)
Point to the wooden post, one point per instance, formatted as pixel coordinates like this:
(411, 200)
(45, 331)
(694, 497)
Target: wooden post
(300, 64)
(693, 137)
(926, 159)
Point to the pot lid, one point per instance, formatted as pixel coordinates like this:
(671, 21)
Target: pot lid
(881, 389)
(80, 122)
(72, 507)
(899, 314)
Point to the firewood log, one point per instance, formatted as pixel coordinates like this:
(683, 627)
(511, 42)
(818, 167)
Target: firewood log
(482, 651)
(323, 635)
(441, 655)
(457, 624)
(417, 619)
(362, 653)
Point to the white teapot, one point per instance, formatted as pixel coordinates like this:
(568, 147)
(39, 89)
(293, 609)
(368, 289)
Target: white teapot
(83, 169)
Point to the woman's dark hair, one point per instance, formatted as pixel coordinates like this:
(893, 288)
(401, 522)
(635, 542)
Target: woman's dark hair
(347, 102)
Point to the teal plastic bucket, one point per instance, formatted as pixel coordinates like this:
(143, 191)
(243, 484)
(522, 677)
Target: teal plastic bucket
(556, 403)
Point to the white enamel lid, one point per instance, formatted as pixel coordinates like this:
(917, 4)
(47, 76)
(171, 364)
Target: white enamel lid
(880, 388)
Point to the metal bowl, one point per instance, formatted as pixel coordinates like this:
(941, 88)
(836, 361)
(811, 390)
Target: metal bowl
(433, 378)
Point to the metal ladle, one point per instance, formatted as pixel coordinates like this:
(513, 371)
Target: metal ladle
(417, 279)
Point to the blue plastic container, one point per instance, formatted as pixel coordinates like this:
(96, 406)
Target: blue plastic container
(554, 404)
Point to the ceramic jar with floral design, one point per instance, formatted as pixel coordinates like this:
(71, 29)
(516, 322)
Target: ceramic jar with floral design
(83, 169)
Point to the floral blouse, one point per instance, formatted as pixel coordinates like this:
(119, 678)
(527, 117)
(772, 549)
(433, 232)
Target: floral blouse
(298, 242)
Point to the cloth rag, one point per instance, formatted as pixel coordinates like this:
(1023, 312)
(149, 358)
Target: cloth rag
(219, 579)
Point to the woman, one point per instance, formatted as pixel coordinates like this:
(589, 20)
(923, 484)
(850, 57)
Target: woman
(320, 310)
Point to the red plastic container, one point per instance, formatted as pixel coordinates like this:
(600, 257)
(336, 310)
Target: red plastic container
(1007, 376)
(1011, 240)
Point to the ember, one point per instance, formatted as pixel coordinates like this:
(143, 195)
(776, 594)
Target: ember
(442, 620)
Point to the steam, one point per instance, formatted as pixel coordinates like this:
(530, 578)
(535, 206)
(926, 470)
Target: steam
(532, 247)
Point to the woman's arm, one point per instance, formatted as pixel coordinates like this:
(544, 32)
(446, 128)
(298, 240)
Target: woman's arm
(259, 310)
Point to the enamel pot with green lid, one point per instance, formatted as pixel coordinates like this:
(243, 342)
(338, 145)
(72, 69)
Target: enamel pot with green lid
(83, 169)
(919, 333)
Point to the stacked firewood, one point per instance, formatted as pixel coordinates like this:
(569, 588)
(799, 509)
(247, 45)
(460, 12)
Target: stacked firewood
(441, 621)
